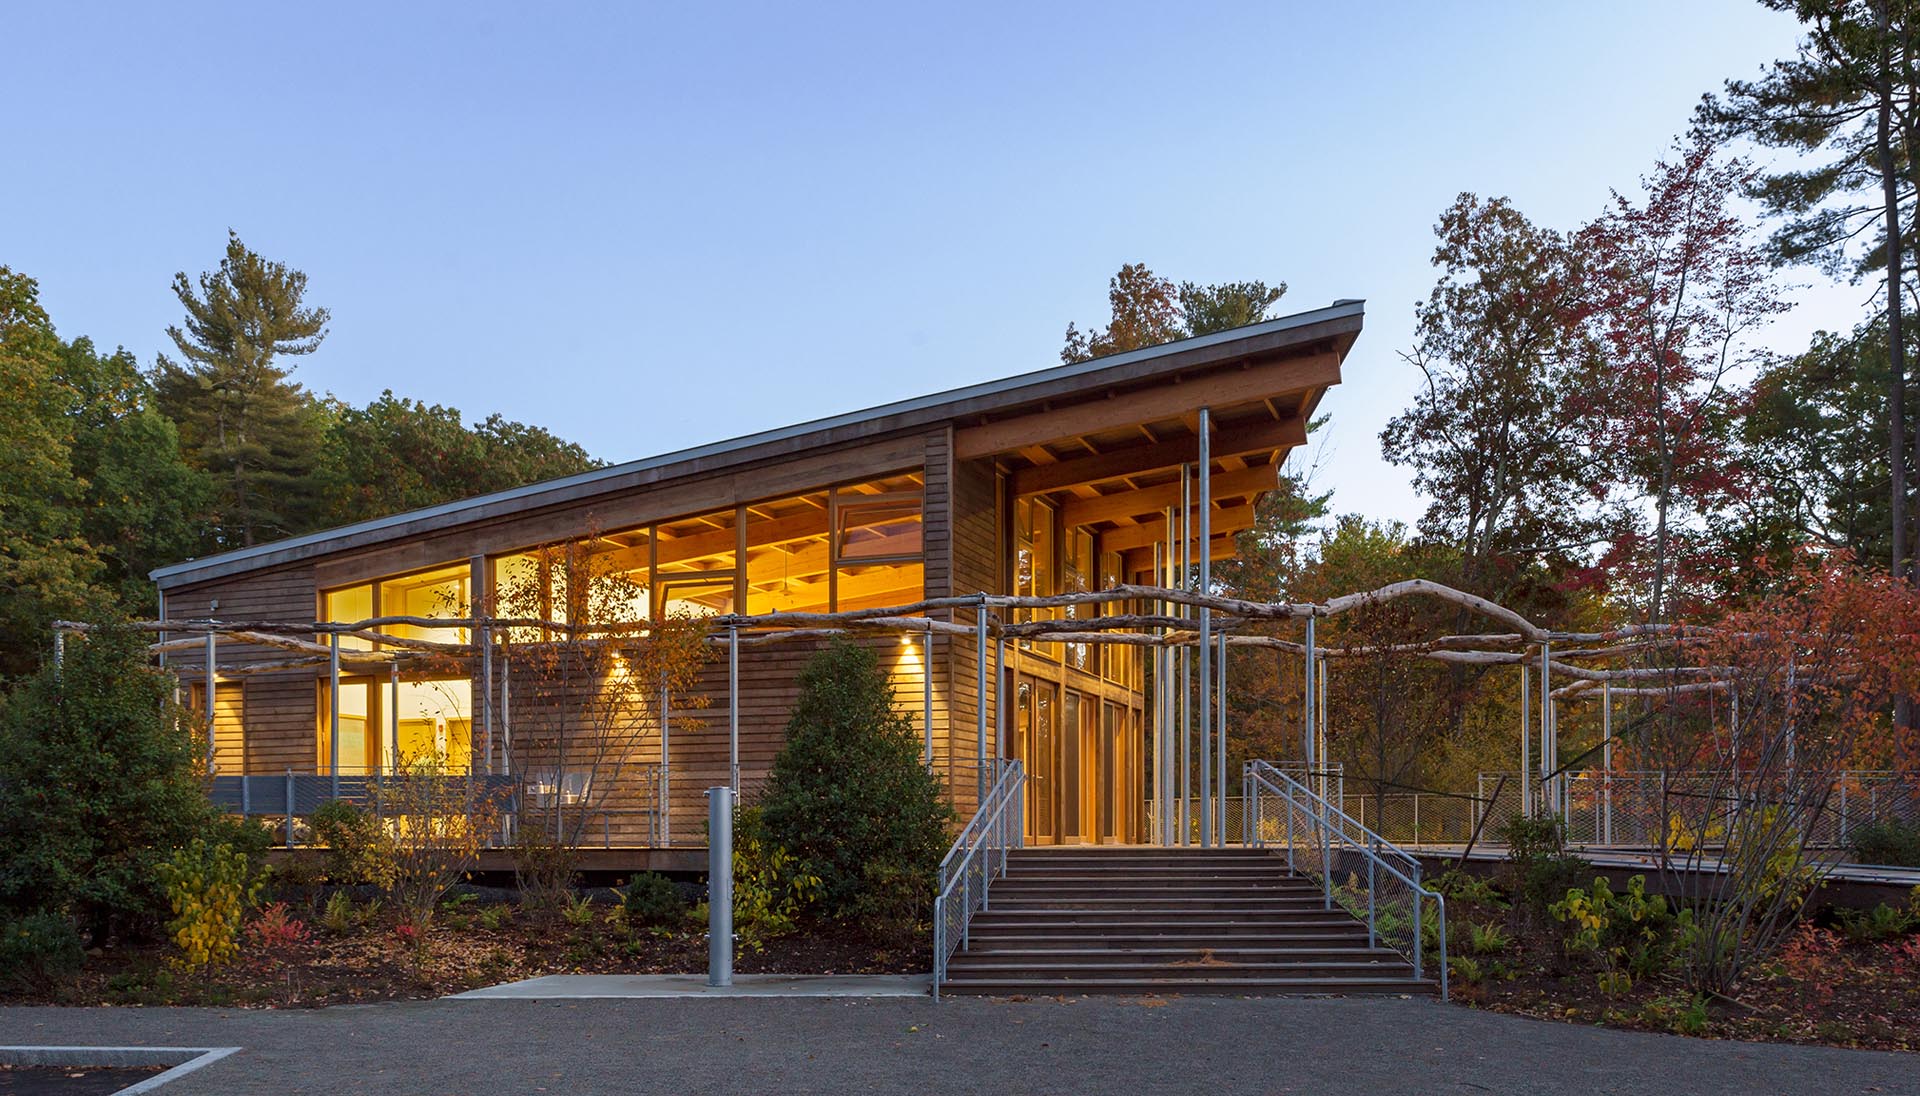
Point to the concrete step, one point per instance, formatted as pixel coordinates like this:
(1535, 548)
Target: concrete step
(1015, 937)
(1166, 904)
(1147, 856)
(1243, 987)
(1051, 888)
(1196, 967)
(1097, 953)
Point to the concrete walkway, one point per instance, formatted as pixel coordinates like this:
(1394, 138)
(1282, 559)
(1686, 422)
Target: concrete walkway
(584, 987)
(915, 1047)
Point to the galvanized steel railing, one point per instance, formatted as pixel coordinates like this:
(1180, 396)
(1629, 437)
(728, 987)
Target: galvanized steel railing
(978, 857)
(1382, 884)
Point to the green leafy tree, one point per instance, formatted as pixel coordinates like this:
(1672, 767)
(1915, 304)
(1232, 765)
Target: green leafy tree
(399, 454)
(99, 774)
(141, 505)
(239, 416)
(849, 797)
(1495, 436)
(47, 567)
(1148, 310)
(1816, 436)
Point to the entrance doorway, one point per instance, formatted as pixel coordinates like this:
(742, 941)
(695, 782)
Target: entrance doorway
(1074, 751)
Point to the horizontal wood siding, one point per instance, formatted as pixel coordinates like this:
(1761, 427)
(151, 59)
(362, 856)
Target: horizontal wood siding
(264, 723)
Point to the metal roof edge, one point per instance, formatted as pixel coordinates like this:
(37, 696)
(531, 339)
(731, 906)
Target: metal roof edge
(1341, 309)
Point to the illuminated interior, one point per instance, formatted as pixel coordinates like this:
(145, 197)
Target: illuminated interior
(383, 726)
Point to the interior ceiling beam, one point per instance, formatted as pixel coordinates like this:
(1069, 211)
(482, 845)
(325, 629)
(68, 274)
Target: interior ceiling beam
(1165, 400)
(1127, 504)
(1136, 560)
(1226, 521)
(1233, 441)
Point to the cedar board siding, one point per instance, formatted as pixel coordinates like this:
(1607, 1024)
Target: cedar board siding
(269, 723)
(264, 723)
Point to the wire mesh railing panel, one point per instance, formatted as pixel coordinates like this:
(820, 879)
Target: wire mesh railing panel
(1644, 809)
(1363, 872)
(977, 858)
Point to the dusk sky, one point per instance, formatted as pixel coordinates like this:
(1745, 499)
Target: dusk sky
(651, 227)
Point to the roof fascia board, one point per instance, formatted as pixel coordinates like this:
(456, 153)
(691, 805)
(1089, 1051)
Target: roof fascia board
(1341, 319)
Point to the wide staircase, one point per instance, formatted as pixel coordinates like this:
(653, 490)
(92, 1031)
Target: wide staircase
(1167, 921)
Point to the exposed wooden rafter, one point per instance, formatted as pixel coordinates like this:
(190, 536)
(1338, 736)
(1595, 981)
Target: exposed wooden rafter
(1220, 390)
(1126, 504)
(1234, 441)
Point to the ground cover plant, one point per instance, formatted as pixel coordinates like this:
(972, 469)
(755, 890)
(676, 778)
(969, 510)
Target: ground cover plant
(1611, 952)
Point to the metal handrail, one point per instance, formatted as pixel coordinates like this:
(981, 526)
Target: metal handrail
(1329, 827)
(968, 870)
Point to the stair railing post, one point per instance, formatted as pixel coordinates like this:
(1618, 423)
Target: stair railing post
(966, 908)
(1372, 933)
(1419, 943)
(1289, 793)
(1249, 809)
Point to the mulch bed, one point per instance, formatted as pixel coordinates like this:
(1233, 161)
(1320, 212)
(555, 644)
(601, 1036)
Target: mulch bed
(373, 963)
(70, 1080)
(1822, 989)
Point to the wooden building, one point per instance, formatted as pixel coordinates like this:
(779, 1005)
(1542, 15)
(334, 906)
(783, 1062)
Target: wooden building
(1059, 480)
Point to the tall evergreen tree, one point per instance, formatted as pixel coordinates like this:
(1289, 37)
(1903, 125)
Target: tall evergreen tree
(240, 418)
(1847, 103)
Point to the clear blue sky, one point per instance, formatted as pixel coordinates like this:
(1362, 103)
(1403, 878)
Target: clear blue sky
(651, 227)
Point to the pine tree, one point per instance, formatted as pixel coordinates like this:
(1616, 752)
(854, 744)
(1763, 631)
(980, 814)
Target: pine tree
(850, 798)
(240, 418)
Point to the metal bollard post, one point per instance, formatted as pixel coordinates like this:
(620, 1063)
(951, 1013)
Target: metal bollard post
(720, 886)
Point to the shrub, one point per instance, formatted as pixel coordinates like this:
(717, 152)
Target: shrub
(1632, 930)
(770, 887)
(653, 901)
(359, 848)
(275, 928)
(495, 918)
(1466, 970)
(1539, 868)
(850, 799)
(38, 952)
(1882, 922)
(208, 888)
(1888, 841)
(102, 779)
(1458, 885)
(437, 823)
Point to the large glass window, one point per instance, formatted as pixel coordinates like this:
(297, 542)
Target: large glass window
(694, 564)
(444, 592)
(1033, 557)
(787, 557)
(877, 543)
(852, 547)
(383, 726)
(1076, 577)
(434, 719)
(355, 603)
(358, 754)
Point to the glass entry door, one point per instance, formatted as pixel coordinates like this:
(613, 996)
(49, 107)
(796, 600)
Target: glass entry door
(1037, 744)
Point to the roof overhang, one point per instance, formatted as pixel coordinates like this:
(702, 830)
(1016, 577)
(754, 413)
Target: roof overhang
(1007, 415)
